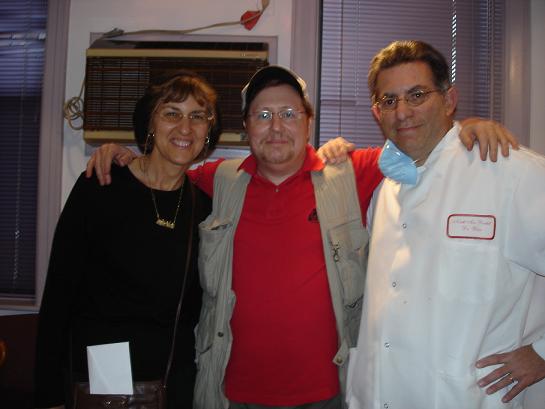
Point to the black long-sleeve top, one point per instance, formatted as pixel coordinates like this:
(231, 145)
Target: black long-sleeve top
(115, 276)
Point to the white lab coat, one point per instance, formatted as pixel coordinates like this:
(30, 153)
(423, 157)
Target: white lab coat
(452, 265)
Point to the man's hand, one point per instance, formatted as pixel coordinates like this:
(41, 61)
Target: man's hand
(335, 150)
(521, 368)
(489, 134)
(101, 161)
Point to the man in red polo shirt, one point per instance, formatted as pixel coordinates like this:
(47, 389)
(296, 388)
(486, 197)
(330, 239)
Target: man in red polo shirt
(279, 344)
(283, 325)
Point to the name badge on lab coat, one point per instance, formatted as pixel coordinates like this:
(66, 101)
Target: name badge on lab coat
(471, 226)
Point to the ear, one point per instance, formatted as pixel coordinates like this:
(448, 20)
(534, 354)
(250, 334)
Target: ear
(309, 129)
(451, 100)
(376, 113)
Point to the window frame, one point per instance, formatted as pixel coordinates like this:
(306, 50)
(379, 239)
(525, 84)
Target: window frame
(50, 151)
(306, 51)
(517, 93)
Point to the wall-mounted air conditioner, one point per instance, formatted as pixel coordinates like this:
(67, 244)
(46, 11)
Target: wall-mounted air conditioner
(118, 72)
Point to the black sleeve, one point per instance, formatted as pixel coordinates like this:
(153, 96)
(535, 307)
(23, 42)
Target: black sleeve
(69, 251)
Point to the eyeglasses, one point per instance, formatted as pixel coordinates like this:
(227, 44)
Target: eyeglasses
(195, 117)
(413, 98)
(285, 115)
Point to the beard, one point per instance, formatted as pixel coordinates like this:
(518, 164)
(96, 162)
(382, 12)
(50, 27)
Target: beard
(274, 153)
(275, 156)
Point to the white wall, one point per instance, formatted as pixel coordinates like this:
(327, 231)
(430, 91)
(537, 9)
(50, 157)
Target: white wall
(130, 15)
(537, 93)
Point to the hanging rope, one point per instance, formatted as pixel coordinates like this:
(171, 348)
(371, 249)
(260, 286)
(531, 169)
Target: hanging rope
(73, 109)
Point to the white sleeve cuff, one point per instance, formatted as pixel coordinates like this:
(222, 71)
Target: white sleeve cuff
(539, 346)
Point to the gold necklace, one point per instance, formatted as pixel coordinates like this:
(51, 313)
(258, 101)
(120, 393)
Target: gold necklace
(159, 220)
(163, 222)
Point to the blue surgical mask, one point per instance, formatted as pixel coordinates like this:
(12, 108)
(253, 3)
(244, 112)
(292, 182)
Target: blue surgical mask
(397, 165)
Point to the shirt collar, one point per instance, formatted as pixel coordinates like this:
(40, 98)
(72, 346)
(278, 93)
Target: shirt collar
(445, 141)
(312, 163)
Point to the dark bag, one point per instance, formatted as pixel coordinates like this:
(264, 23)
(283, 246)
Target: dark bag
(146, 394)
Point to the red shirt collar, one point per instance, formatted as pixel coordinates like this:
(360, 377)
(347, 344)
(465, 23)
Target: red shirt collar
(312, 163)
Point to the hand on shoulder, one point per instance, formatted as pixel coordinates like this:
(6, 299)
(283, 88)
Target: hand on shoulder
(101, 161)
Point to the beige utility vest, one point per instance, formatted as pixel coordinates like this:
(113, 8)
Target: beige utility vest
(345, 243)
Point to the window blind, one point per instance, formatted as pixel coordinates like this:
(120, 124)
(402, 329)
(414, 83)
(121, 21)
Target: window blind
(22, 41)
(467, 32)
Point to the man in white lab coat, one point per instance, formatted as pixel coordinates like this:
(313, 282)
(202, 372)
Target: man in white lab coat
(456, 245)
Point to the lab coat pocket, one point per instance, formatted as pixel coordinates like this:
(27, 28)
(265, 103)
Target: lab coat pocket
(455, 392)
(468, 271)
(349, 246)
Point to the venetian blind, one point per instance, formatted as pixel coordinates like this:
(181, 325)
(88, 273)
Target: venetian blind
(22, 41)
(467, 32)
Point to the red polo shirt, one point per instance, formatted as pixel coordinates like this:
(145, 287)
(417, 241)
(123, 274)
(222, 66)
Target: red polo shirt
(284, 331)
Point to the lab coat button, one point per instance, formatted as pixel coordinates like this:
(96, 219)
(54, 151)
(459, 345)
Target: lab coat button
(404, 225)
(387, 345)
(386, 406)
(220, 334)
(394, 284)
(339, 360)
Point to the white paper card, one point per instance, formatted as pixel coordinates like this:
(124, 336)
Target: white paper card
(110, 369)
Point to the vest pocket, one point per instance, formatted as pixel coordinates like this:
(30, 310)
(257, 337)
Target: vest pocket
(212, 246)
(349, 247)
(204, 332)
